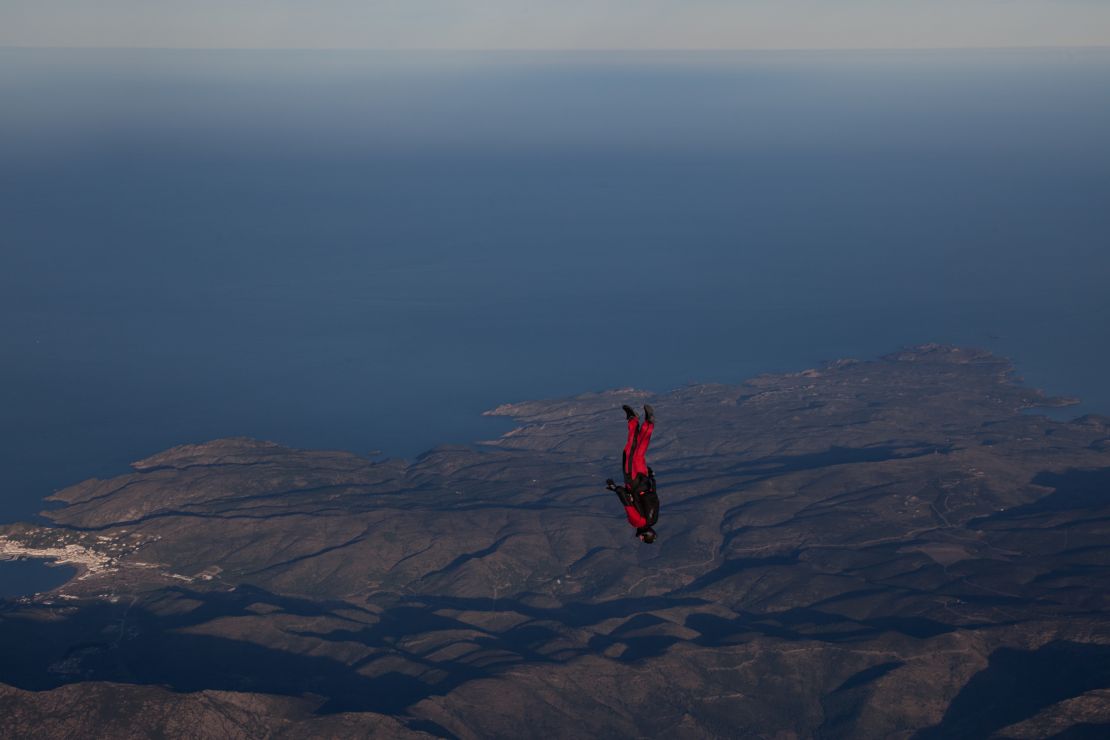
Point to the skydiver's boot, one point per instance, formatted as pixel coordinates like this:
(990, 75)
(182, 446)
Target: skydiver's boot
(649, 414)
(629, 412)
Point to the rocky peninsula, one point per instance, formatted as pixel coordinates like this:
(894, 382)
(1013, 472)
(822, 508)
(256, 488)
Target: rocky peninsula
(893, 548)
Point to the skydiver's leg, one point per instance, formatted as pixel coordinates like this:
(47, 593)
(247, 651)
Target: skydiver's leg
(638, 464)
(629, 446)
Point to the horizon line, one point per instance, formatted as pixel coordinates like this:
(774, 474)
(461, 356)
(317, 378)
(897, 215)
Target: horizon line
(567, 50)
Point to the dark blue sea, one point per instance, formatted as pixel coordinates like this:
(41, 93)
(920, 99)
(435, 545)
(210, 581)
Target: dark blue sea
(365, 250)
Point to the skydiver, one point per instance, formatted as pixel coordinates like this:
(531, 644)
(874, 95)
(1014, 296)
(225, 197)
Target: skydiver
(637, 495)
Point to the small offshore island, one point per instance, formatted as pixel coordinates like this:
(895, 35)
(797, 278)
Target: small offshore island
(888, 548)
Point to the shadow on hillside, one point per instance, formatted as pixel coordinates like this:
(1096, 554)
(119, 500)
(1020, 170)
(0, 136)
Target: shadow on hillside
(809, 624)
(1017, 684)
(161, 642)
(113, 642)
(176, 639)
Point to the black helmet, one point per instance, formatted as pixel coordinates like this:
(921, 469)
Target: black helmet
(646, 535)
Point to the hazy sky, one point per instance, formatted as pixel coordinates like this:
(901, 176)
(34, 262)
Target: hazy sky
(555, 24)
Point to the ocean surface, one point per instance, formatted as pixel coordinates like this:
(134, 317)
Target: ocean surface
(23, 577)
(365, 250)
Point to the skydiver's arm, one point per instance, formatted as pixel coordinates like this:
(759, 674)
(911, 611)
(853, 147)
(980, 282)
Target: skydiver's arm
(635, 517)
(622, 492)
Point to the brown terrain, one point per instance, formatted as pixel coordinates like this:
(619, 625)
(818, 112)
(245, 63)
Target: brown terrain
(885, 549)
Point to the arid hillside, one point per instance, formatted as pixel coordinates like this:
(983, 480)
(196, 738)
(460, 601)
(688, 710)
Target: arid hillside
(896, 548)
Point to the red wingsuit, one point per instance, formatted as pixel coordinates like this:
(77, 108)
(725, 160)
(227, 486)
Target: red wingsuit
(635, 466)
